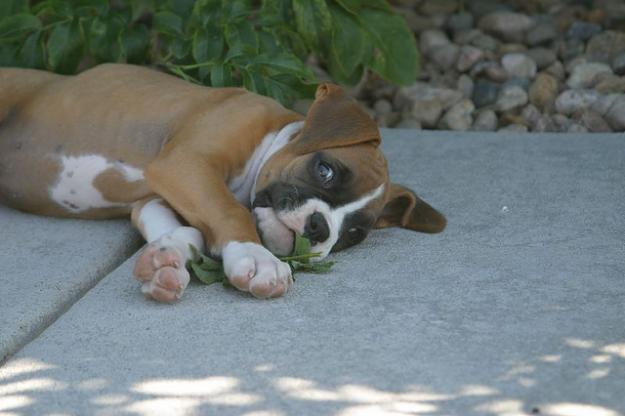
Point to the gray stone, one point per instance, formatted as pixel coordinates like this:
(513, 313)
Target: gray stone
(427, 112)
(465, 85)
(604, 103)
(408, 123)
(609, 84)
(465, 37)
(496, 72)
(582, 31)
(388, 119)
(445, 56)
(583, 75)
(615, 116)
(459, 116)
(467, 57)
(505, 48)
(492, 70)
(576, 128)
(421, 91)
(438, 7)
(431, 40)
(544, 124)
(382, 107)
(530, 114)
(480, 8)
(571, 64)
(618, 64)
(484, 41)
(519, 65)
(510, 98)
(606, 46)
(615, 9)
(460, 22)
(571, 101)
(517, 82)
(509, 26)
(569, 49)
(593, 121)
(543, 92)
(542, 56)
(485, 92)
(486, 120)
(562, 122)
(542, 33)
(514, 128)
(557, 70)
(416, 22)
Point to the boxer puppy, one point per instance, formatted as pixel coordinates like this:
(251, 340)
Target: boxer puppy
(188, 164)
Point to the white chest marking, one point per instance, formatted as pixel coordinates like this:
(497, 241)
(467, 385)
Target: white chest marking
(74, 189)
(244, 186)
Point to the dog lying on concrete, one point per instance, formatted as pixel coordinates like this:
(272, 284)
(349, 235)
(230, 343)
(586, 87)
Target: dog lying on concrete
(188, 164)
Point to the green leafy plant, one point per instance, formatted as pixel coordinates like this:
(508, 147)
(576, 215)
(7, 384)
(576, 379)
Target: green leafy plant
(261, 45)
(208, 270)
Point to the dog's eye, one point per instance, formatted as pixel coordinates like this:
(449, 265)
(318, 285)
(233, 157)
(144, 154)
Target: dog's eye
(325, 172)
(355, 234)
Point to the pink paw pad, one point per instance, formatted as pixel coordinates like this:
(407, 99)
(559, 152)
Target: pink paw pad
(162, 272)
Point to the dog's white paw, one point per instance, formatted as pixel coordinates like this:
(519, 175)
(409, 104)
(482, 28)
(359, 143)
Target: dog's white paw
(276, 236)
(252, 268)
(161, 266)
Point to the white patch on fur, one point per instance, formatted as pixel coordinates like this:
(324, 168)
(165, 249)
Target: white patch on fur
(243, 186)
(131, 174)
(74, 188)
(156, 220)
(180, 239)
(161, 226)
(296, 219)
(282, 238)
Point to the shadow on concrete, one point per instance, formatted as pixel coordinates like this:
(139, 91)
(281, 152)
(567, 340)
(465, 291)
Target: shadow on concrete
(591, 367)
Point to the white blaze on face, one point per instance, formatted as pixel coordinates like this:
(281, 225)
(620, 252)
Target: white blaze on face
(74, 189)
(296, 219)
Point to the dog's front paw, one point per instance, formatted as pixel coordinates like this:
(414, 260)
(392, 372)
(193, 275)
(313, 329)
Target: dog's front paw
(161, 270)
(252, 268)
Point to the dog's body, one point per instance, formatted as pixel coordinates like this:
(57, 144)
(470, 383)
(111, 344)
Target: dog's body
(119, 140)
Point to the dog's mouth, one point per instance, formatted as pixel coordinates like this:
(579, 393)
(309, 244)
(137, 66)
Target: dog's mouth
(277, 236)
(283, 211)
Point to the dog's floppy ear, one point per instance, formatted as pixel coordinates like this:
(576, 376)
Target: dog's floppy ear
(406, 210)
(335, 120)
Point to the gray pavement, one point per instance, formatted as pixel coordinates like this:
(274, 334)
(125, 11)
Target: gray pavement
(46, 264)
(518, 308)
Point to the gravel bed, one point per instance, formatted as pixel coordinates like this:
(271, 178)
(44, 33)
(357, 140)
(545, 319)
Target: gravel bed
(540, 66)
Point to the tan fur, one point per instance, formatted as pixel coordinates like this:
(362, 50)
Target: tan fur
(189, 140)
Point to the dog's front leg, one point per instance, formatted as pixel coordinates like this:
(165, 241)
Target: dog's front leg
(197, 190)
(161, 265)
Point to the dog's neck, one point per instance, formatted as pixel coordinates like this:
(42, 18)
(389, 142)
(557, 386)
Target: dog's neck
(244, 186)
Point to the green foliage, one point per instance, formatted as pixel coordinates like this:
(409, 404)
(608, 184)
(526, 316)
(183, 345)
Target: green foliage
(209, 271)
(261, 45)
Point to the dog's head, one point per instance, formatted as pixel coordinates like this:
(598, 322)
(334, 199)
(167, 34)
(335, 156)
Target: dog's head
(330, 183)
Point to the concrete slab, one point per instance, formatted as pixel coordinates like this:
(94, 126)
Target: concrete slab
(46, 264)
(516, 309)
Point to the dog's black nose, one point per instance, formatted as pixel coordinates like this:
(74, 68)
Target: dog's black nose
(316, 230)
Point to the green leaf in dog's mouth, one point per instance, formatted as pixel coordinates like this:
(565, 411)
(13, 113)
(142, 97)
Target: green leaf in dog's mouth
(208, 270)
